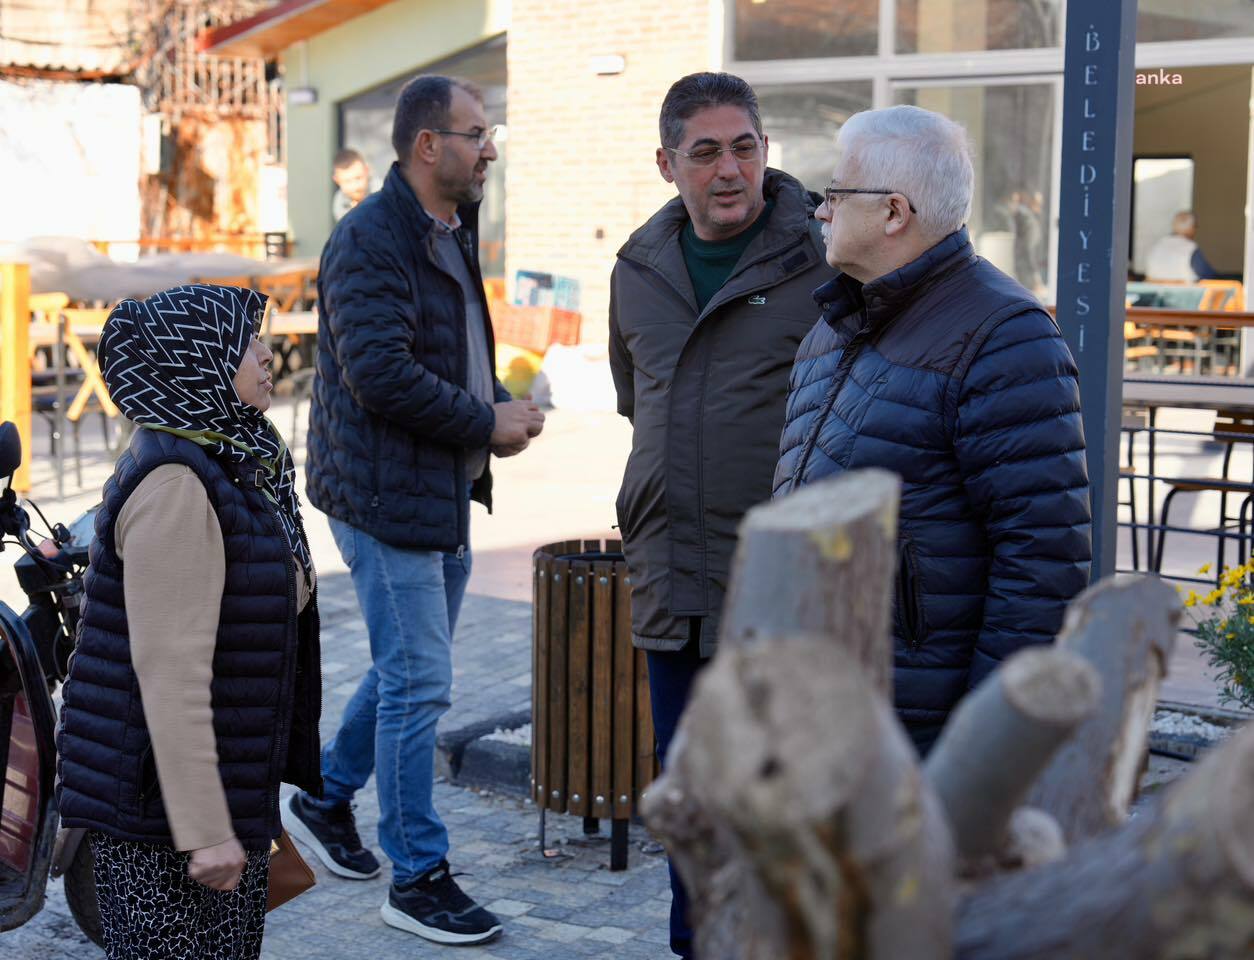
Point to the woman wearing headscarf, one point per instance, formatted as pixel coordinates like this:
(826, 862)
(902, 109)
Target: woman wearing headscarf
(195, 684)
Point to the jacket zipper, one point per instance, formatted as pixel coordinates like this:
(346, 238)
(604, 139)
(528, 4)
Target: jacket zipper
(717, 302)
(374, 474)
(911, 606)
(315, 758)
(289, 669)
(463, 362)
(851, 351)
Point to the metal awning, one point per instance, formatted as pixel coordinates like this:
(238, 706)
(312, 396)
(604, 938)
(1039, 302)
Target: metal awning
(270, 32)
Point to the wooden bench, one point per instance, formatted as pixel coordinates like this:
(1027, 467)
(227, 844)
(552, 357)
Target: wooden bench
(592, 749)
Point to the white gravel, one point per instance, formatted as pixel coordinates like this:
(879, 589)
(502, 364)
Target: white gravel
(1172, 723)
(518, 735)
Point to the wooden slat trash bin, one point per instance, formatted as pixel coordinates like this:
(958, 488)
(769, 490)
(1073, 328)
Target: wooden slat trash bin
(592, 751)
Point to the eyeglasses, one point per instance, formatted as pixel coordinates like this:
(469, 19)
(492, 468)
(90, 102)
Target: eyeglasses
(743, 152)
(841, 191)
(481, 137)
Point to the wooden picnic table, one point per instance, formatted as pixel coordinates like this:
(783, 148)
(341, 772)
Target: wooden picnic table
(77, 330)
(1153, 391)
(291, 323)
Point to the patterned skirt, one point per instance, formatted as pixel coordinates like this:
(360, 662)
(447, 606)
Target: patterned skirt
(150, 909)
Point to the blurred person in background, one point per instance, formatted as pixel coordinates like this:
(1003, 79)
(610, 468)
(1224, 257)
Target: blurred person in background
(351, 175)
(1177, 257)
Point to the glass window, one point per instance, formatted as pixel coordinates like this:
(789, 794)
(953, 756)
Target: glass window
(1012, 129)
(788, 29)
(802, 120)
(949, 26)
(1198, 20)
(366, 126)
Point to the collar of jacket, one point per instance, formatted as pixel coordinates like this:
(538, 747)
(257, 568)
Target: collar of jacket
(843, 299)
(401, 196)
(656, 243)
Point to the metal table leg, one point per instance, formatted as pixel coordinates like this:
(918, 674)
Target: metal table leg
(58, 410)
(1149, 493)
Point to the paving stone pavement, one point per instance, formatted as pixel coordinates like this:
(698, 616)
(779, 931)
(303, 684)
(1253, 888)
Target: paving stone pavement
(571, 906)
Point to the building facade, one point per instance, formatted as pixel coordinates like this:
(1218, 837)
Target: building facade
(578, 85)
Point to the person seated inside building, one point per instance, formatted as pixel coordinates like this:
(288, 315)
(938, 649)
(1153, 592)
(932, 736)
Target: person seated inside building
(1177, 257)
(351, 174)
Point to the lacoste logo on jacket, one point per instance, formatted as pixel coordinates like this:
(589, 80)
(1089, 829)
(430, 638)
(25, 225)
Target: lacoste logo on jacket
(757, 299)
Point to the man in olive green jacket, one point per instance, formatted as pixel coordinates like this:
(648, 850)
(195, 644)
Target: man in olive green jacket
(709, 302)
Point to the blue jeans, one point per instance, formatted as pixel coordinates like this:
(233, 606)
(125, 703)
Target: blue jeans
(410, 600)
(671, 676)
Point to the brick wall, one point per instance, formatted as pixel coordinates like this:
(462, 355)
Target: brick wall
(581, 172)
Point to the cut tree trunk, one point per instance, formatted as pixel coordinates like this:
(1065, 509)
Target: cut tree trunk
(1176, 883)
(1000, 738)
(1126, 629)
(821, 561)
(830, 843)
(793, 806)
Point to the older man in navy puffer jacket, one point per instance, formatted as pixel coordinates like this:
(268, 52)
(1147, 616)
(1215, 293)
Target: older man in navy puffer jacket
(931, 362)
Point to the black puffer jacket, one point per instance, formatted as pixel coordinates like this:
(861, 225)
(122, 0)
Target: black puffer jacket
(391, 420)
(705, 392)
(950, 374)
(267, 689)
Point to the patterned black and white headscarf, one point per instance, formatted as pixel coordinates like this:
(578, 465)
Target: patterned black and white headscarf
(170, 362)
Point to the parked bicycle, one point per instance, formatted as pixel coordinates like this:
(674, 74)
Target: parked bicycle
(35, 649)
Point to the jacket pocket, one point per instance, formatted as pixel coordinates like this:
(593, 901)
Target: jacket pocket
(376, 465)
(911, 618)
(620, 510)
(148, 786)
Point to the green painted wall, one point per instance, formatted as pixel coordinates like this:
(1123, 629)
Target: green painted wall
(386, 43)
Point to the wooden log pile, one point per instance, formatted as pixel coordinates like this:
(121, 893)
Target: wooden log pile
(804, 825)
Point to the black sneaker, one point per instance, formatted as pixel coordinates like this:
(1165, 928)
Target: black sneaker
(331, 835)
(434, 907)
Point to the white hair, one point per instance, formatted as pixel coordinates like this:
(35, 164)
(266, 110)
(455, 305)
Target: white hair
(918, 153)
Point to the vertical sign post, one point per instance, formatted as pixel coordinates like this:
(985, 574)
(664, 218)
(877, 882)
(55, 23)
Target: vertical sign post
(1097, 109)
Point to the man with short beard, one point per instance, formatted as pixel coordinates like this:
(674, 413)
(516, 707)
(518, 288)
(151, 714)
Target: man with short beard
(406, 411)
(709, 301)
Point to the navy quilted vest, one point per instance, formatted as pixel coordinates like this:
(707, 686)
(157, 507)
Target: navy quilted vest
(266, 677)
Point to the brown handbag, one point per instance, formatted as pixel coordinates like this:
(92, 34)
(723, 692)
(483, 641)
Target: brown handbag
(290, 875)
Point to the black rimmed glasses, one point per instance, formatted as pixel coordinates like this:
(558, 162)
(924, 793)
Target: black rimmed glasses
(742, 151)
(842, 191)
(481, 137)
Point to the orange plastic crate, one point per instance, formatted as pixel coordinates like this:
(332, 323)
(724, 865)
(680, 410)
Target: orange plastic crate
(535, 328)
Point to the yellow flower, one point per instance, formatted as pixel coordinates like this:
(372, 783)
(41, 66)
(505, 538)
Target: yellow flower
(1245, 601)
(1204, 568)
(1212, 598)
(1192, 599)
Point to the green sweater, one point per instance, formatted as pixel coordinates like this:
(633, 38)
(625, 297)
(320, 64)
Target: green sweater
(710, 264)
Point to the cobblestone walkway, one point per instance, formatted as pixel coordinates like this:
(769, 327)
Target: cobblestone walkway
(570, 906)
